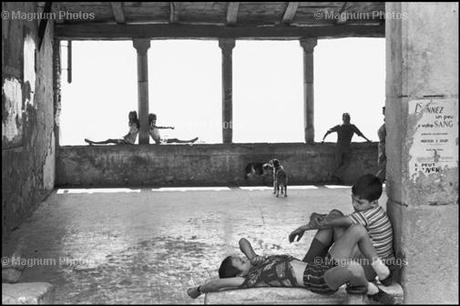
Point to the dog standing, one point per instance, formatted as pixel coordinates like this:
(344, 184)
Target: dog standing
(280, 178)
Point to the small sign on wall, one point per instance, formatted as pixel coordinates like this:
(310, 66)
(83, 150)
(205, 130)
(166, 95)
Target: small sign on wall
(435, 136)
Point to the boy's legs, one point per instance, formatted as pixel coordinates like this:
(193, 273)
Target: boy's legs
(115, 141)
(368, 270)
(351, 273)
(339, 162)
(319, 245)
(324, 239)
(175, 140)
(343, 158)
(355, 238)
(355, 243)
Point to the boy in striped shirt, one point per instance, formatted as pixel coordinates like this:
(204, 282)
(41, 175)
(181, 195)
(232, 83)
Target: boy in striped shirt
(367, 213)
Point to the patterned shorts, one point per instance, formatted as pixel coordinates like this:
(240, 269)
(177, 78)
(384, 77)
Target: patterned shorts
(313, 276)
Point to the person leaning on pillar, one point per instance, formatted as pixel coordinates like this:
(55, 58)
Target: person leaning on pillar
(382, 157)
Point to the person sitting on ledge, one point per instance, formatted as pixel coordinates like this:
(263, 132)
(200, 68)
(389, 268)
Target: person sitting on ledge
(324, 276)
(343, 152)
(129, 138)
(155, 133)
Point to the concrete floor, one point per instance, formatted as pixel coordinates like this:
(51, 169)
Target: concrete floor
(150, 245)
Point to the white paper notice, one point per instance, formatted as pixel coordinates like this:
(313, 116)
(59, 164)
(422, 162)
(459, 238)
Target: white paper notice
(435, 140)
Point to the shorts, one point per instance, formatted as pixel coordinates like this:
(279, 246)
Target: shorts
(313, 276)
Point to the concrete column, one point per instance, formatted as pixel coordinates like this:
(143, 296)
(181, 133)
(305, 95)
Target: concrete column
(227, 46)
(308, 46)
(422, 146)
(142, 45)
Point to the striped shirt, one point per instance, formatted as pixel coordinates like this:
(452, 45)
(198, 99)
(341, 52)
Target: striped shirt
(378, 225)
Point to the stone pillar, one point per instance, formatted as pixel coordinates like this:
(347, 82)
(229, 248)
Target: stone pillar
(227, 109)
(308, 46)
(422, 146)
(142, 45)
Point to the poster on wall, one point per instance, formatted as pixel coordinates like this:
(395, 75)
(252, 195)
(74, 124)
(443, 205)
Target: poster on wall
(435, 139)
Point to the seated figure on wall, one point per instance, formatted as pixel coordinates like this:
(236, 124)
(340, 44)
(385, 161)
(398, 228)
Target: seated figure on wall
(154, 132)
(129, 138)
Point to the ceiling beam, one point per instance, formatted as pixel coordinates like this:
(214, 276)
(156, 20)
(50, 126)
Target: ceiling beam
(56, 9)
(232, 13)
(173, 14)
(117, 10)
(178, 31)
(43, 23)
(289, 13)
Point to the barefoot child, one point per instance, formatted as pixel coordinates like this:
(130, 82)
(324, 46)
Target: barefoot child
(286, 271)
(129, 138)
(367, 212)
(154, 131)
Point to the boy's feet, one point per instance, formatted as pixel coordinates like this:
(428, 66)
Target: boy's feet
(388, 280)
(192, 141)
(383, 298)
(394, 269)
(381, 269)
(356, 289)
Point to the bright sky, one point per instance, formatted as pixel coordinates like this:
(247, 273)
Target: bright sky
(185, 89)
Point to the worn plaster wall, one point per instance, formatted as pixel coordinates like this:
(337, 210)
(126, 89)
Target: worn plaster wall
(202, 165)
(422, 170)
(28, 151)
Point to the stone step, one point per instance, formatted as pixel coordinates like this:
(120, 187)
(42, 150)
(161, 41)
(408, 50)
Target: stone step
(273, 295)
(27, 293)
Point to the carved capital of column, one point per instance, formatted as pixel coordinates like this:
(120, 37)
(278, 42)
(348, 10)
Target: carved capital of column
(308, 44)
(141, 45)
(227, 45)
